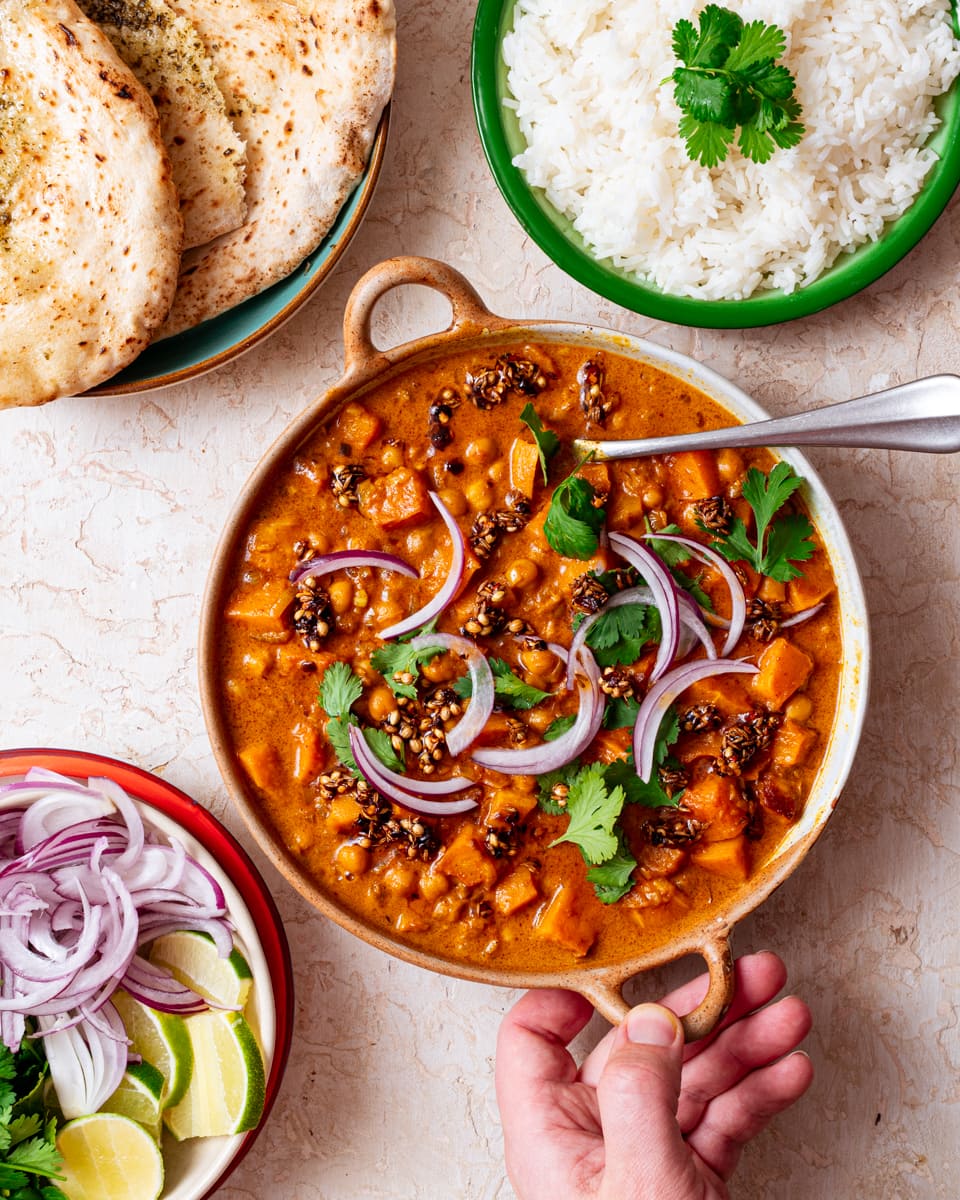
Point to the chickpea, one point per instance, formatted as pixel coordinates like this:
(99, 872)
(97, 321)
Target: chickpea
(499, 471)
(479, 494)
(799, 709)
(658, 518)
(652, 497)
(341, 596)
(380, 703)
(401, 879)
(481, 452)
(361, 598)
(539, 662)
(522, 572)
(385, 612)
(433, 885)
(392, 457)
(730, 465)
(419, 543)
(352, 859)
(539, 720)
(453, 498)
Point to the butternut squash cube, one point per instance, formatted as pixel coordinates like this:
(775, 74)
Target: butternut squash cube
(694, 474)
(342, 813)
(465, 860)
(396, 500)
(562, 921)
(524, 464)
(262, 609)
(784, 669)
(814, 585)
(309, 751)
(729, 858)
(356, 429)
(516, 891)
(792, 744)
(261, 762)
(717, 801)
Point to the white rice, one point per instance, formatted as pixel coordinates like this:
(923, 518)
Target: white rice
(602, 140)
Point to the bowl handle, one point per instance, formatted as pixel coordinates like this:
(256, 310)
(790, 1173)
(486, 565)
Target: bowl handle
(606, 995)
(470, 314)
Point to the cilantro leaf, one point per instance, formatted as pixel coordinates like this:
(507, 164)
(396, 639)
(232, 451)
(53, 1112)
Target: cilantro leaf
(547, 442)
(507, 687)
(37, 1157)
(340, 688)
(620, 713)
(379, 742)
(429, 627)
(779, 543)
(613, 878)
(573, 523)
(593, 812)
(558, 728)
(730, 78)
(619, 635)
(338, 735)
(397, 658)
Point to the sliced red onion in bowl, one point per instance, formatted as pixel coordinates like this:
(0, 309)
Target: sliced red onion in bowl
(800, 617)
(86, 1065)
(662, 695)
(396, 787)
(738, 602)
(661, 583)
(451, 585)
(549, 756)
(340, 560)
(483, 695)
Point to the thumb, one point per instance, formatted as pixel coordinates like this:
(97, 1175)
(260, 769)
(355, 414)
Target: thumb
(638, 1093)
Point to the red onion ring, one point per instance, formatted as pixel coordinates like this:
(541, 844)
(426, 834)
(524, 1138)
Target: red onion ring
(483, 696)
(388, 783)
(661, 583)
(662, 695)
(738, 602)
(536, 760)
(800, 617)
(451, 585)
(340, 560)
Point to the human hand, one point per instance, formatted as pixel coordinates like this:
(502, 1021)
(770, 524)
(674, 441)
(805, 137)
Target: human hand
(646, 1117)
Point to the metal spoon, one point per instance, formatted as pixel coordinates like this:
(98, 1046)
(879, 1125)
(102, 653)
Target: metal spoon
(923, 415)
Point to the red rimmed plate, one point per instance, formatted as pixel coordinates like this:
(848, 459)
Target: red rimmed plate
(196, 1169)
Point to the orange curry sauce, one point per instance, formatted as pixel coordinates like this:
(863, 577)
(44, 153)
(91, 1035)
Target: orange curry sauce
(488, 886)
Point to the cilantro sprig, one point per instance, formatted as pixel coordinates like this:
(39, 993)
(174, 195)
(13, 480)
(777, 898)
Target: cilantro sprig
(618, 636)
(547, 442)
(779, 543)
(340, 689)
(593, 810)
(573, 522)
(397, 658)
(28, 1153)
(510, 689)
(730, 78)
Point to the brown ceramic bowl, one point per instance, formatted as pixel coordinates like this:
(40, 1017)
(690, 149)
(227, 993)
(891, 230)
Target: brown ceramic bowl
(473, 325)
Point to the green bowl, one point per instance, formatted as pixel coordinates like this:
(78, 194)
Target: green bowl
(555, 235)
(214, 342)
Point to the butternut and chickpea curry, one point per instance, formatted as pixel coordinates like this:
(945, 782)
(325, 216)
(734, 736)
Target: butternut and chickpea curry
(589, 752)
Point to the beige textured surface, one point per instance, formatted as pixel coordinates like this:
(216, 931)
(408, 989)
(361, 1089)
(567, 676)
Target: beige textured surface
(108, 516)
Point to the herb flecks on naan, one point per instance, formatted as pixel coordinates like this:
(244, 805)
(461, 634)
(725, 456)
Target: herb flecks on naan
(306, 84)
(166, 54)
(89, 248)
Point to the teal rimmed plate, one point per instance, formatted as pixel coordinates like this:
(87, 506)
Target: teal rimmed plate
(554, 233)
(217, 341)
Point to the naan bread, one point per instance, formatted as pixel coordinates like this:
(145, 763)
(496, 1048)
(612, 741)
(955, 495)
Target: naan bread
(166, 54)
(90, 229)
(306, 82)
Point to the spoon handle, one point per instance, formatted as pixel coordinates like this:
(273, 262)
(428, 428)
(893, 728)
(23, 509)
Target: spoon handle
(923, 415)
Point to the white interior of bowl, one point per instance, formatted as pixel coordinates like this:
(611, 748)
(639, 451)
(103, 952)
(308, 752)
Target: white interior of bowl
(191, 1168)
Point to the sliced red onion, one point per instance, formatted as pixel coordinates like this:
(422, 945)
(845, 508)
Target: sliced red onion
(158, 989)
(483, 695)
(536, 760)
(451, 585)
(340, 560)
(662, 695)
(86, 1065)
(389, 783)
(691, 618)
(800, 617)
(738, 602)
(661, 583)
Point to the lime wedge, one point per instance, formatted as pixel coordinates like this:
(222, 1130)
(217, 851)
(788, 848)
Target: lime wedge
(109, 1157)
(139, 1096)
(226, 1092)
(192, 958)
(160, 1039)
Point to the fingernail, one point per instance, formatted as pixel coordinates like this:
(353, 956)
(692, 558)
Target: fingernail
(652, 1025)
